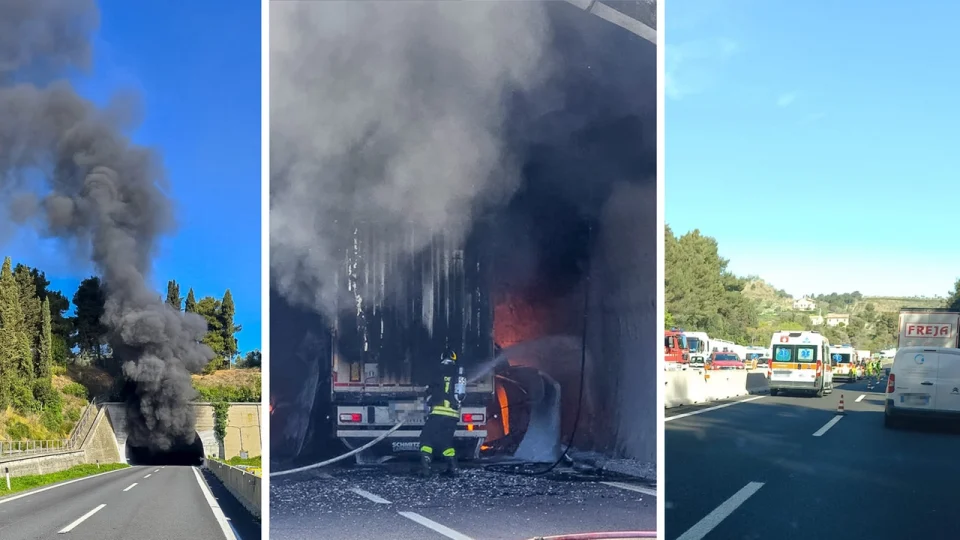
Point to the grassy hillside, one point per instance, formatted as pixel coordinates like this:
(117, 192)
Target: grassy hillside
(893, 304)
(770, 301)
(236, 385)
(49, 424)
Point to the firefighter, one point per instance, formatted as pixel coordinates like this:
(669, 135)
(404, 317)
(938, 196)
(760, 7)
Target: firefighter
(443, 397)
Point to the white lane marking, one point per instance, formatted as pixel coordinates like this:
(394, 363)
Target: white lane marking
(632, 487)
(130, 486)
(158, 470)
(859, 399)
(430, 524)
(826, 427)
(720, 513)
(55, 486)
(147, 476)
(217, 512)
(708, 409)
(82, 518)
(369, 496)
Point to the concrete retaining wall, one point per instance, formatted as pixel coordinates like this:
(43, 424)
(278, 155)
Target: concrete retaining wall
(45, 464)
(241, 484)
(695, 386)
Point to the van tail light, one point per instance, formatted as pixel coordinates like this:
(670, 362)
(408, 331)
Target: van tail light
(819, 368)
(350, 417)
(891, 384)
(472, 418)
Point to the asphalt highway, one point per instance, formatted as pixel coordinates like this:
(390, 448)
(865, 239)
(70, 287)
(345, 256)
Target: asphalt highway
(789, 467)
(143, 503)
(383, 502)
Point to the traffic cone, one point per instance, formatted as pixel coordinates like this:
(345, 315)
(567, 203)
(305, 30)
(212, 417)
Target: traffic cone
(840, 405)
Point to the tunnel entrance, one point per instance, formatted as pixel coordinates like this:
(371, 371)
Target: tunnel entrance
(183, 453)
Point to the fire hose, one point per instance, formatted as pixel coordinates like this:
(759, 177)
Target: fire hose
(338, 458)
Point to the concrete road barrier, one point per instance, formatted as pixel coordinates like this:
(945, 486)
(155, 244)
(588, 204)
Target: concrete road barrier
(697, 386)
(240, 483)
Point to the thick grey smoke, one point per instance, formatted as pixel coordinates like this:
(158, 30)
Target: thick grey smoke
(393, 112)
(67, 168)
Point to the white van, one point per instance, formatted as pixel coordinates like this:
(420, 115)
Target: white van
(800, 363)
(845, 360)
(923, 382)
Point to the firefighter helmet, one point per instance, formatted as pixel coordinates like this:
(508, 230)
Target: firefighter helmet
(448, 355)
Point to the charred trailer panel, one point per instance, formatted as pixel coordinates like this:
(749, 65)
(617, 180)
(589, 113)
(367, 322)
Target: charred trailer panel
(403, 301)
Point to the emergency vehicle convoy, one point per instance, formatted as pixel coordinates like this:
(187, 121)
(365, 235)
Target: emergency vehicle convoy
(800, 362)
(846, 362)
(401, 312)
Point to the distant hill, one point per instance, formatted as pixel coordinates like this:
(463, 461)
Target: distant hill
(772, 301)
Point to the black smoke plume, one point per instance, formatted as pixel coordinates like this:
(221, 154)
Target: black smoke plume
(67, 168)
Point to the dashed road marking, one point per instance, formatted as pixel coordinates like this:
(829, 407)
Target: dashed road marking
(80, 520)
(55, 486)
(708, 409)
(369, 496)
(433, 525)
(156, 471)
(720, 513)
(130, 486)
(826, 427)
(632, 487)
(148, 476)
(859, 399)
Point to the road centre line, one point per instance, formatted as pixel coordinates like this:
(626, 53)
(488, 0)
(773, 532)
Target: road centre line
(826, 427)
(720, 513)
(708, 409)
(436, 527)
(80, 520)
(632, 487)
(68, 482)
(215, 507)
(369, 496)
(130, 486)
(859, 399)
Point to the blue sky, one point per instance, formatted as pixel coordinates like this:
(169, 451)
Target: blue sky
(815, 140)
(197, 67)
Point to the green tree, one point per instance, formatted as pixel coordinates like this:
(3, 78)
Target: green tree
(45, 349)
(30, 306)
(228, 328)
(190, 306)
(173, 295)
(210, 309)
(250, 360)
(89, 303)
(17, 374)
(61, 325)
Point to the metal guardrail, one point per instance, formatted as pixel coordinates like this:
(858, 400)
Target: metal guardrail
(26, 448)
(16, 449)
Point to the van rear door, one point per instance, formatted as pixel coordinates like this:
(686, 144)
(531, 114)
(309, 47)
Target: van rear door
(948, 381)
(915, 378)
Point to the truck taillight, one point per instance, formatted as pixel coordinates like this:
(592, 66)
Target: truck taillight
(350, 417)
(472, 418)
(891, 384)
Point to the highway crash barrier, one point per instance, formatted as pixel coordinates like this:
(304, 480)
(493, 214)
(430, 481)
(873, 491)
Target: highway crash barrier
(695, 386)
(242, 484)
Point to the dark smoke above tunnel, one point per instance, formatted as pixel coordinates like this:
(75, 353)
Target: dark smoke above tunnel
(576, 192)
(68, 170)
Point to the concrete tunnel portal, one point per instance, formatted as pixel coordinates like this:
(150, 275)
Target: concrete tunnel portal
(183, 453)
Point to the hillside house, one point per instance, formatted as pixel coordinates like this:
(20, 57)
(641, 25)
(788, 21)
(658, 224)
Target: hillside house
(816, 320)
(804, 304)
(836, 319)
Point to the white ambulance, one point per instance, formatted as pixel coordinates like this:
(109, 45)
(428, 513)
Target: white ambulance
(800, 362)
(845, 360)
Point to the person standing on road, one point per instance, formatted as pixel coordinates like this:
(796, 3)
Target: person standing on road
(444, 395)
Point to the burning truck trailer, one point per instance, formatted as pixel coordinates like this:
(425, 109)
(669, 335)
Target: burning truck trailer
(573, 263)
